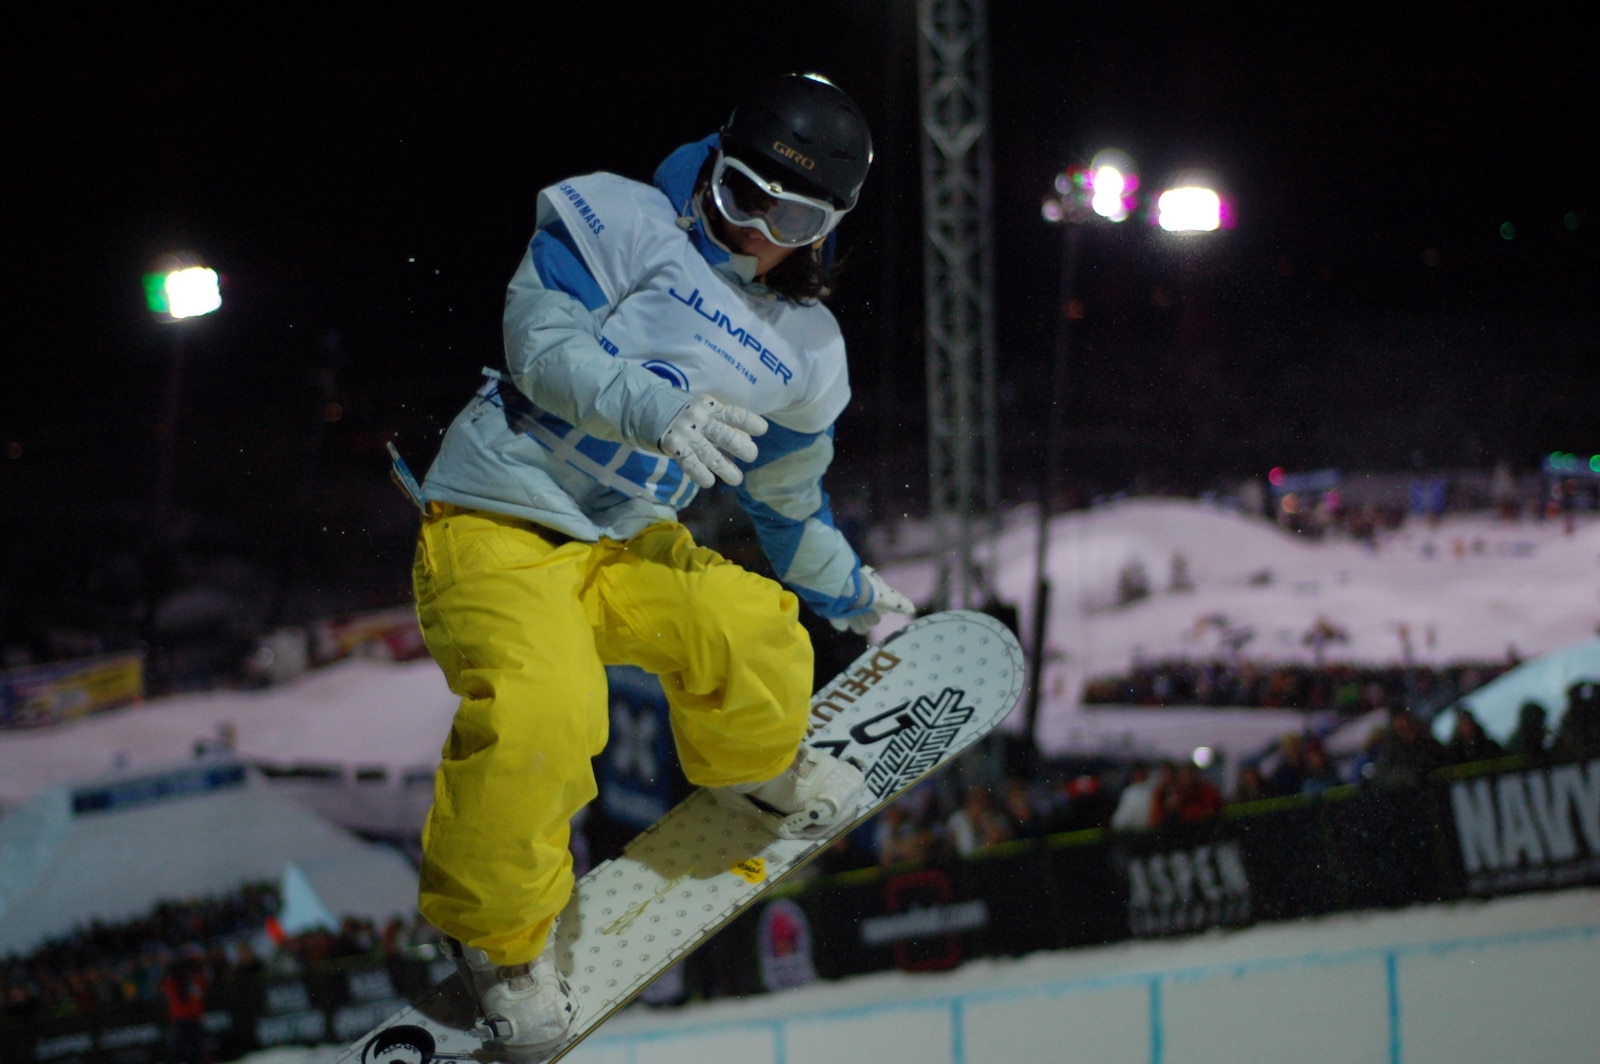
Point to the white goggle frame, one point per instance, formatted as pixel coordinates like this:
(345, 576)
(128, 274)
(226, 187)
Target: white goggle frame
(790, 220)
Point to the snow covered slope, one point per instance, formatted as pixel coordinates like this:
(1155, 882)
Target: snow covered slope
(1472, 588)
(1475, 587)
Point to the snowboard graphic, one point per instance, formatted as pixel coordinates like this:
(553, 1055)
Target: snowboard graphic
(901, 710)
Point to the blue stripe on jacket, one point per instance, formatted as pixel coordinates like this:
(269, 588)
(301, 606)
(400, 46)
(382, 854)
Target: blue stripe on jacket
(780, 535)
(561, 268)
(641, 474)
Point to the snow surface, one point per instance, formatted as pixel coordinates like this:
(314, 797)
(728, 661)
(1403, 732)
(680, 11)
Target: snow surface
(356, 712)
(118, 864)
(1475, 587)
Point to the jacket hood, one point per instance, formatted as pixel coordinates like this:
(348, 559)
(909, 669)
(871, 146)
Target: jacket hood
(676, 177)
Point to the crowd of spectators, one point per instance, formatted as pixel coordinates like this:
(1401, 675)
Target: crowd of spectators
(936, 821)
(105, 963)
(1348, 689)
(164, 956)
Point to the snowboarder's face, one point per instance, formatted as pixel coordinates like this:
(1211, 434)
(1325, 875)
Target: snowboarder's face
(765, 252)
(742, 240)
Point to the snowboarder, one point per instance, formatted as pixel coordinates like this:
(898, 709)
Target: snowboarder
(650, 332)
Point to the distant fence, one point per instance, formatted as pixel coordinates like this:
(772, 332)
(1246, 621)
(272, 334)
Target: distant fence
(367, 799)
(1475, 831)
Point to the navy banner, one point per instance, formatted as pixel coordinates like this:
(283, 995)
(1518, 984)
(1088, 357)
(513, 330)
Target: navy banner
(1528, 829)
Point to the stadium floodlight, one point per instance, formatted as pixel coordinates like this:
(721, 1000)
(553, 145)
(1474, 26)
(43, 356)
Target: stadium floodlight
(1105, 188)
(1112, 182)
(1107, 198)
(192, 292)
(1189, 209)
(180, 287)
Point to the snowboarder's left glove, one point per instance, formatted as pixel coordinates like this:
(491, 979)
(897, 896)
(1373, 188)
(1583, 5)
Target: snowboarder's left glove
(698, 435)
(885, 599)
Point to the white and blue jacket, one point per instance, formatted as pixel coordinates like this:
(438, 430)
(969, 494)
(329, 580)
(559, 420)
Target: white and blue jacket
(621, 307)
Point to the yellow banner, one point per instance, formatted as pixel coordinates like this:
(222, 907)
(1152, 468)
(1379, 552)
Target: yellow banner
(51, 694)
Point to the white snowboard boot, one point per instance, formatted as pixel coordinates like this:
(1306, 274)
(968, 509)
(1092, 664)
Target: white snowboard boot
(528, 1007)
(808, 800)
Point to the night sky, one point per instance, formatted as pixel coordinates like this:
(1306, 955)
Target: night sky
(365, 184)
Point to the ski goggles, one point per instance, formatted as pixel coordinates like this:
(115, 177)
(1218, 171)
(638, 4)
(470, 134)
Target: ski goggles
(748, 200)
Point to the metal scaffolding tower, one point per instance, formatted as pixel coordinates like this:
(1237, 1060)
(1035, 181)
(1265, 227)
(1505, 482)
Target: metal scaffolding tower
(958, 272)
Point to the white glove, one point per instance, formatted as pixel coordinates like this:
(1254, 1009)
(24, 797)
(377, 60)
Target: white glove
(885, 599)
(698, 435)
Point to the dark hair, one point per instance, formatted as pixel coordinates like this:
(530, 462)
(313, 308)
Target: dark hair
(807, 276)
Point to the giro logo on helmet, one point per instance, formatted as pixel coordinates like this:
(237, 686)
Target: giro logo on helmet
(789, 153)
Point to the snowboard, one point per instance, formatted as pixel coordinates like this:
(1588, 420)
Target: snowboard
(900, 711)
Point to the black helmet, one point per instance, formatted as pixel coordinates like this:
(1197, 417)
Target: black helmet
(805, 127)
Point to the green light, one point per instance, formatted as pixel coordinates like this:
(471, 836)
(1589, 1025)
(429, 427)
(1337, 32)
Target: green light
(155, 292)
(1566, 461)
(1508, 231)
(1571, 221)
(1594, 463)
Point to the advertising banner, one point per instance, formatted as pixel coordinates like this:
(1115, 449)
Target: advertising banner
(1180, 882)
(1285, 851)
(1528, 829)
(922, 918)
(288, 1017)
(783, 946)
(1089, 897)
(639, 769)
(126, 1034)
(391, 634)
(1019, 903)
(922, 921)
(1383, 848)
(141, 790)
(40, 695)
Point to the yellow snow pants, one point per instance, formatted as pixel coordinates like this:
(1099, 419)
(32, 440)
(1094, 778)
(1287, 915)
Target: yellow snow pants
(523, 622)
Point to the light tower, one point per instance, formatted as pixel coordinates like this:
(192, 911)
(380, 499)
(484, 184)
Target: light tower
(1105, 190)
(1102, 190)
(179, 288)
(958, 271)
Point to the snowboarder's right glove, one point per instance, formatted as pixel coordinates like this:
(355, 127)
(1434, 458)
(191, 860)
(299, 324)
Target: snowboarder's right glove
(885, 599)
(698, 435)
